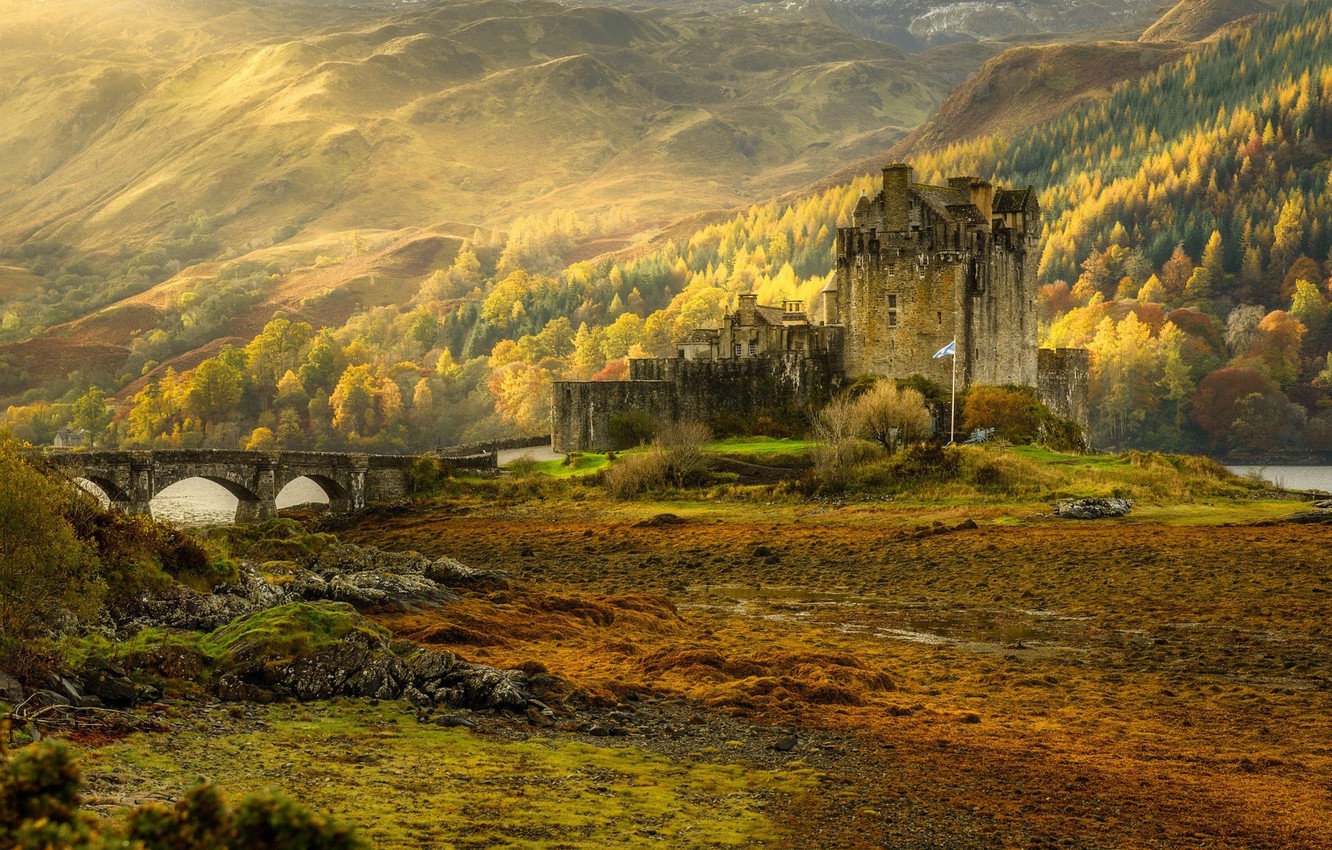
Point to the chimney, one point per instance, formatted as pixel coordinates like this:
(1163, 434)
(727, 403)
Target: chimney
(961, 183)
(897, 181)
(982, 197)
(748, 305)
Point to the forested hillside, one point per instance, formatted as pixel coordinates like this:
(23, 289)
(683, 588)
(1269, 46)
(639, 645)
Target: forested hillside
(1188, 226)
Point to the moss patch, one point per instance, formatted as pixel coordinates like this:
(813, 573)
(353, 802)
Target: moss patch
(287, 631)
(409, 785)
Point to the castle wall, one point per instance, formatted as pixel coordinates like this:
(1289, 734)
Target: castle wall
(1062, 383)
(673, 389)
(1003, 333)
(581, 411)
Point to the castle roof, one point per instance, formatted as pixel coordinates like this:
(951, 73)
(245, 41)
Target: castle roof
(700, 336)
(967, 213)
(941, 199)
(1012, 200)
(769, 315)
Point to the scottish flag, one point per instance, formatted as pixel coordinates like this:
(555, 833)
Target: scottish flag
(948, 350)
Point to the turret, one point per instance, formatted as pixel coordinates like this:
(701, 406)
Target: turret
(982, 197)
(897, 181)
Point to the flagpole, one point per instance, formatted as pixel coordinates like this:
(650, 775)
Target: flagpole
(950, 350)
(952, 408)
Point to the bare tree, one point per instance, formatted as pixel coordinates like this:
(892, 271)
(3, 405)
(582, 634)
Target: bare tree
(836, 426)
(1242, 327)
(683, 444)
(892, 416)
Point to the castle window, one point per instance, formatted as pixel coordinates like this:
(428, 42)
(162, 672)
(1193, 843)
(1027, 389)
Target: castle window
(939, 315)
(753, 348)
(892, 269)
(737, 349)
(892, 311)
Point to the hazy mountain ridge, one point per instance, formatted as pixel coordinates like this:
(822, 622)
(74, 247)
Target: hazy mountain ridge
(478, 109)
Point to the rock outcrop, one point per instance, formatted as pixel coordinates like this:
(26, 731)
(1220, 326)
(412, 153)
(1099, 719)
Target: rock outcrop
(366, 577)
(1093, 508)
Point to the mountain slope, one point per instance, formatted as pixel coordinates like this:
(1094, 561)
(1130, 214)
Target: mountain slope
(334, 119)
(1027, 85)
(1195, 20)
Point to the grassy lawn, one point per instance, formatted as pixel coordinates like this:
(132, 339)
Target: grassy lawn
(760, 446)
(582, 464)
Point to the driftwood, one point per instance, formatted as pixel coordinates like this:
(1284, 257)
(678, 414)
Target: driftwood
(71, 718)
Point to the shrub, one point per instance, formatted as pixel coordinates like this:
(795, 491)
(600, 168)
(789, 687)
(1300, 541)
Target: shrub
(892, 416)
(1010, 411)
(835, 428)
(39, 807)
(525, 465)
(683, 444)
(926, 460)
(634, 474)
(632, 428)
(425, 474)
(45, 568)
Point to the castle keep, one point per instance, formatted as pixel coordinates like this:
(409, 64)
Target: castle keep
(919, 267)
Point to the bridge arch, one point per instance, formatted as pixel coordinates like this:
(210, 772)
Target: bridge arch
(248, 505)
(101, 487)
(336, 494)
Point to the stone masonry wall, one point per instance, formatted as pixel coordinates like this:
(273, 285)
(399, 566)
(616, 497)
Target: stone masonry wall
(672, 390)
(1062, 381)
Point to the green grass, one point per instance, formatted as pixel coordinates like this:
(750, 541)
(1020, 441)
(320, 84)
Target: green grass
(1044, 455)
(288, 631)
(760, 446)
(587, 463)
(406, 784)
(582, 463)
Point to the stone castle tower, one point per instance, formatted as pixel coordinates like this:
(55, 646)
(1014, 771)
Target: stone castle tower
(921, 266)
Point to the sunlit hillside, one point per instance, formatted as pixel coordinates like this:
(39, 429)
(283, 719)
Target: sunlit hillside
(282, 119)
(1188, 216)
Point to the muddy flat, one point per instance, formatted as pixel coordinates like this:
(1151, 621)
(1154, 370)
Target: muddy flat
(986, 678)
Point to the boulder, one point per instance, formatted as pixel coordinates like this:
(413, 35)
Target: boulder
(397, 591)
(455, 721)
(109, 684)
(479, 686)
(1093, 508)
(1320, 517)
(232, 688)
(189, 610)
(1323, 504)
(10, 690)
(62, 685)
(450, 573)
(431, 665)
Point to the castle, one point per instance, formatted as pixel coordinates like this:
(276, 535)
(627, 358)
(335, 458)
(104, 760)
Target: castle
(919, 267)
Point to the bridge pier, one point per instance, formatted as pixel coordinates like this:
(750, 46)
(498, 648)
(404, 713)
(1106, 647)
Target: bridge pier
(251, 511)
(264, 505)
(141, 487)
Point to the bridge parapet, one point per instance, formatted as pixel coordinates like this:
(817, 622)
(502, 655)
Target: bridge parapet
(131, 479)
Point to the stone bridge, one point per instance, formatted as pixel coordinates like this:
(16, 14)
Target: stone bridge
(131, 479)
